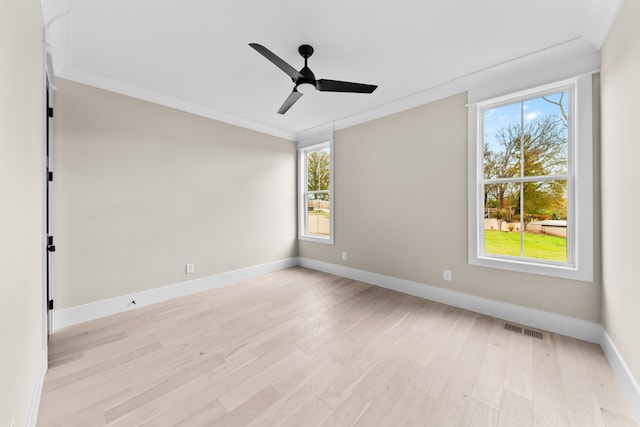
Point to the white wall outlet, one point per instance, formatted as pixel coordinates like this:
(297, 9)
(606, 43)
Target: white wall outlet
(344, 256)
(446, 275)
(188, 269)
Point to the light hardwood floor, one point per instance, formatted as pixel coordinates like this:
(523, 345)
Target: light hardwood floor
(303, 348)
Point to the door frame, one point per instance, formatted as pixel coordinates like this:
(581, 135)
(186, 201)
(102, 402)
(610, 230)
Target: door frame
(48, 200)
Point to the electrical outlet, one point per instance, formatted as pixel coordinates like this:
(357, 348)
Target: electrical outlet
(188, 269)
(344, 256)
(446, 275)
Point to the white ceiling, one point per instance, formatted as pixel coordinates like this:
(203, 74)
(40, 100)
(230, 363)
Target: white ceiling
(194, 54)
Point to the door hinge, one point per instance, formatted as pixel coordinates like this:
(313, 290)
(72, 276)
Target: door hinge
(50, 246)
(50, 176)
(50, 304)
(49, 111)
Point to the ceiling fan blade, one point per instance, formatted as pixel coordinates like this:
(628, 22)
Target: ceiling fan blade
(277, 61)
(325, 85)
(295, 95)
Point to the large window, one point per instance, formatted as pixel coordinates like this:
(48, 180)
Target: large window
(529, 153)
(316, 193)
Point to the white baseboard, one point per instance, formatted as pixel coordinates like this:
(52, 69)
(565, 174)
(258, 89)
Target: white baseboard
(82, 313)
(626, 381)
(552, 322)
(32, 416)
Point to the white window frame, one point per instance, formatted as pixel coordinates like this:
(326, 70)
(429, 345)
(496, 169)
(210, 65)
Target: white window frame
(302, 194)
(579, 193)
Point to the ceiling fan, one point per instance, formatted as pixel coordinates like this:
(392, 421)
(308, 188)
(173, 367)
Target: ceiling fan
(305, 77)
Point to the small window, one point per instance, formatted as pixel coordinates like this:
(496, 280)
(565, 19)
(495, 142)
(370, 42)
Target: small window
(316, 193)
(526, 213)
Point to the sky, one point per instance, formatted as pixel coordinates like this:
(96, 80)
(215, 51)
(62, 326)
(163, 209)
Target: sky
(496, 118)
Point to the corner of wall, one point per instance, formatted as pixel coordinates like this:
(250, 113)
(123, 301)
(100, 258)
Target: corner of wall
(34, 407)
(624, 376)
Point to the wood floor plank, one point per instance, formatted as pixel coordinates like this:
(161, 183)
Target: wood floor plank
(518, 377)
(312, 413)
(348, 412)
(577, 379)
(203, 416)
(549, 404)
(376, 380)
(146, 410)
(612, 419)
(196, 404)
(605, 386)
(301, 347)
(441, 366)
(241, 393)
(341, 387)
(103, 366)
(163, 387)
(454, 400)
(515, 410)
(480, 415)
(250, 409)
(127, 379)
(489, 385)
(299, 396)
(81, 345)
(398, 402)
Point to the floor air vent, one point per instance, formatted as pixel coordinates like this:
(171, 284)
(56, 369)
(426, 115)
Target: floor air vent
(513, 328)
(533, 334)
(519, 330)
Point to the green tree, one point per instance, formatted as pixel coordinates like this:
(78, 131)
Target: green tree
(500, 164)
(318, 174)
(537, 149)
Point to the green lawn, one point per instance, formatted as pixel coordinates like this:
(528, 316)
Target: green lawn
(539, 246)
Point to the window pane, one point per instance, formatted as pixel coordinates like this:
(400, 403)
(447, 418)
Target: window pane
(318, 170)
(545, 135)
(318, 214)
(545, 206)
(522, 170)
(502, 219)
(317, 200)
(502, 129)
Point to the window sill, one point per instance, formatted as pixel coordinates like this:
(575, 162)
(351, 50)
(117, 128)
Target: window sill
(584, 274)
(316, 239)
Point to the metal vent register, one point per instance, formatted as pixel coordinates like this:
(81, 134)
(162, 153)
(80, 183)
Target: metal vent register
(520, 330)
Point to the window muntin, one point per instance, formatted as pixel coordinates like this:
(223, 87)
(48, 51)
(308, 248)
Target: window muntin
(316, 198)
(526, 145)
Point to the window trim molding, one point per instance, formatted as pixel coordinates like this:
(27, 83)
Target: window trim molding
(302, 182)
(581, 180)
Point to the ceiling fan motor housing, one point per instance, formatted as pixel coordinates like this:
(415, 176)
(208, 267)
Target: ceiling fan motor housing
(305, 51)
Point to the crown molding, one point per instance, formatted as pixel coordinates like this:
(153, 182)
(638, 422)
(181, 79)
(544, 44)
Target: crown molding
(563, 60)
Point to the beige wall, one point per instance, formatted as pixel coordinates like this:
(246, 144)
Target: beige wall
(141, 190)
(21, 207)
(401, 210)
(620, 177)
